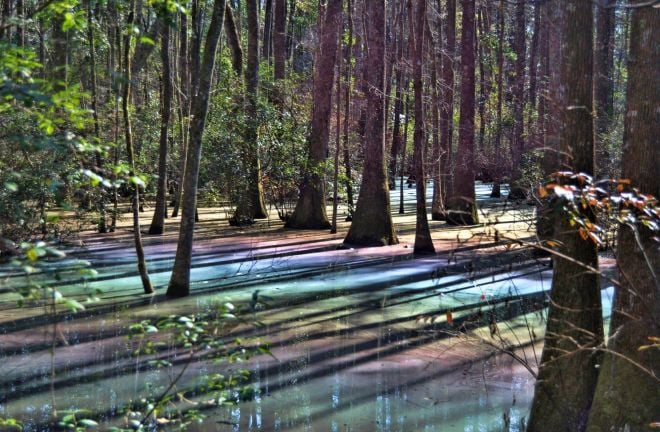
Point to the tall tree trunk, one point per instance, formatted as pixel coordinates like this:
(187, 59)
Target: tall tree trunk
(569, 365)
(398, 103)
(498, 160)
(335, 175)
(416, 37)
(179, 285)
(279, 40)
(462, 206)
(554, 104)
(347, 110)
(160, 212)
(102, 225)
(183, 97)
(404, 145)
(481, 101)
(268, 30)
(372, 223)
(447, 111)
(310, 211)
(234, 41)
(252, 205)
(627, 398)
(437, 204)
(59, 57)
(534, 55)
(517, 189)
(604, 84)
(125, 100)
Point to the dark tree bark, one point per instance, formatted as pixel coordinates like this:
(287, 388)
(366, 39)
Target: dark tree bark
(568, 371)
(59, 56)
(128, 133)
(5, 15)
(517, 190)
(447, 111)
(102, 225)
(462, 206)
(534, 54)
(404, 145)
(279, 40)
(395, 148)
(627, 398)
(554, 104)
(183, 97)
(416, 37)
(234, 41)
(481, 102)
(143, 50)
(499, 161)
(335, 175)
(348, 58)
(160, 212)
(252, 204)
(437, 204)
(372, 223)
(603, 83)
(310, 211)
(179, 285)
(266, 47)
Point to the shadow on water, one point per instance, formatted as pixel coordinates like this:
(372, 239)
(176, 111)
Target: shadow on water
(362, 339)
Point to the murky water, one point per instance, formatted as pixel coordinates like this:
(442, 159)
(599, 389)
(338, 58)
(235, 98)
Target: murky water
(362, 339)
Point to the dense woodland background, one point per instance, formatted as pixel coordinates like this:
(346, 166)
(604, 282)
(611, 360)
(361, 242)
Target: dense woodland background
(300, 105)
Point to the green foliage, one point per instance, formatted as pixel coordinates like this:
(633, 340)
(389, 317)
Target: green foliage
(281, 135)
(10, 425)
(42, 145)
(202, 335)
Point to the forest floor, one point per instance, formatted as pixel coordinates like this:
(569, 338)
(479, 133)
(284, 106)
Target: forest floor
(361, 338)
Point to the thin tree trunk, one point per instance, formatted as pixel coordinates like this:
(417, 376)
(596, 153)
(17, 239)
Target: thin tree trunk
(569, 365)
(447, 112)
(266, 47)
(179, 285)
(347, 111)
(160, 212)
(372, 223)
(335, 176)
(604, 84)
(234, 41)
(279, 40)
(498, 160)
(462, 206)
(517, 190)
(102, 225)
(125, 100)
(252, 204)
(437, 204)
(626, 397)
(116, 67)
(186, 52)
(533, 55)
(416, 37)
(404, 145)
(395, 148)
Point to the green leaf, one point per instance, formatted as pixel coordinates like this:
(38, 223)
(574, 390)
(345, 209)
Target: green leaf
(73, 305)
(137, 180)
(11, 186)
(146, 40)
(88, 423)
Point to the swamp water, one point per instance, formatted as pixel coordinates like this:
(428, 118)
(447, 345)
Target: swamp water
(361, 340)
